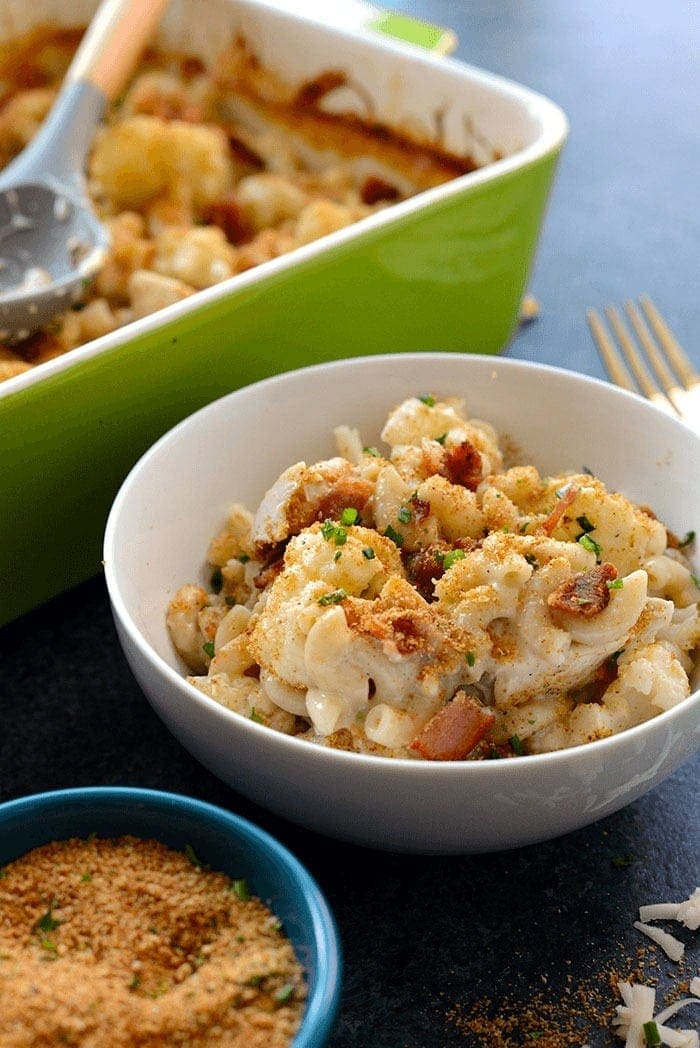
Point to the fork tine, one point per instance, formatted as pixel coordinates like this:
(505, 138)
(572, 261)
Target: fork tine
(679, 359)
(616, 369)
(633, 357)
(667, 380)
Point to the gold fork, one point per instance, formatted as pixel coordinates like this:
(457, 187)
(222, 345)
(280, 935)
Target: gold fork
(674, 384)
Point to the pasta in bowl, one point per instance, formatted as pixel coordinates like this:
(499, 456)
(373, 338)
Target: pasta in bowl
(432, 603)
(416, 589)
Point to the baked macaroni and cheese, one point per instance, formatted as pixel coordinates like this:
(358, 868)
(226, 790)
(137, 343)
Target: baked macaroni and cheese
(433, 601)
(202, 173)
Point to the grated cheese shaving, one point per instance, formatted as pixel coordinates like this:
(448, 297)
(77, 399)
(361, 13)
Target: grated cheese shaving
(671, 946)
(638, 1009)
(687, 912)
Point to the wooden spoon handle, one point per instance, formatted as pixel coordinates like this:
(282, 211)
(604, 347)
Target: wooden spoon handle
(113, 43)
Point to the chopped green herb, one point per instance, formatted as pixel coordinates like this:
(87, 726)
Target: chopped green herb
(49, 946)
(329, 530)
(86, 878)
(426, 399)
(283, 995)
(585, 524)
(395, 536)
(622, 861)
(349, 515)
(452, 557)
(243, 558)
(405, 516)
(615, 583)
(524, 526)
(254, 980)
(332, 598)
(338, 554)
(534, 1035)
(532, 560)
(277, 925)
(208, 648)
(651, 1033)
(217, 580)
(368, 553)
(687, 541)
(241, 889)
(255, 716)
(470, 658)
(46, 923)
(590, 544)
(135, 982)
(192, 856)
(696, 580)
(494, 755)
(441, 439)
(516, 745)
(371, 451)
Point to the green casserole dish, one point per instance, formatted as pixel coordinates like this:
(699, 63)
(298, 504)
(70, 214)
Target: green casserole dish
(445, 269)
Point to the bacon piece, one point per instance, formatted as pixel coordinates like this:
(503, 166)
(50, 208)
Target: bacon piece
(463, 465)
(346, 493)
(586, 593)
(268, 574)
(228, 216)
(375, 189)
(421, 508)
(560, 509)
(453, 732)
(313, 91)
(425, 567)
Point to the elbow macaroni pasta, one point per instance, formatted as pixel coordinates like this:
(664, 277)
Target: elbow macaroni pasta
(200, 174)
(370, 590)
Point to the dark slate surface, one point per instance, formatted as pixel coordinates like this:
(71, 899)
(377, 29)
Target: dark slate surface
(428, 938)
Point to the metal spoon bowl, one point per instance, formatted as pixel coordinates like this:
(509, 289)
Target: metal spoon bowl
(51, 242)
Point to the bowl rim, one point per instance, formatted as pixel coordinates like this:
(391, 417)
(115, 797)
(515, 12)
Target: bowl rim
(322, 1004)
(372, 762)
(553, 134)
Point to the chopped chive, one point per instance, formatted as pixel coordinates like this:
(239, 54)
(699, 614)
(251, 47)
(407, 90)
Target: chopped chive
(192, 856)
(426, 399)
(452, 557)
(49, 946)
(470, 658)
(441, 439)
(696, 580)
(622, 861)
(86, 878)
(615, 583)
(46, 923)
(405, 516)
(494, 755)
(255, 716)
(349, 515)
(338, 554)
(395, 536)
(283, 995)
(208, 648)
(217, 580)
(687, 541)
(532, 560)
(368, 553)
(516, 745)
(651, 1033)
(135, 982)
(243, 558)
(524, 526)
(585, 524)
(277, 925)
(328, 530)
(590, 544)
(241, 889)
(371, 451)
(332, 598)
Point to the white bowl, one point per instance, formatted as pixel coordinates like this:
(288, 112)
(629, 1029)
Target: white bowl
(174, 500)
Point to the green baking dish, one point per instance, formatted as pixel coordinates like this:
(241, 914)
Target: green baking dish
(444, 270)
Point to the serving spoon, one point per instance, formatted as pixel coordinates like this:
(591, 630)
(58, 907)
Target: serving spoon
(51, 242)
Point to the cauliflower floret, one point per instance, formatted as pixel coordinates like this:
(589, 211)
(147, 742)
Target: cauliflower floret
(150, 292)
(199, 257)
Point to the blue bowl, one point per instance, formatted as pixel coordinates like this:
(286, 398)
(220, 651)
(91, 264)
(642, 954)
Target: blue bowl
(226, 842)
